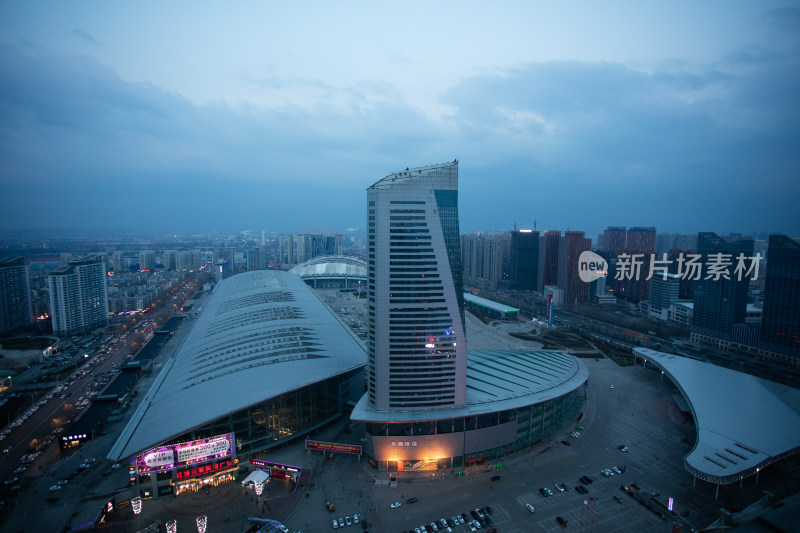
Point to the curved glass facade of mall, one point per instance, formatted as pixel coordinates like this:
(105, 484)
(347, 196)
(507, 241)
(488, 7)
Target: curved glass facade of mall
(463, 439)
(282, 418)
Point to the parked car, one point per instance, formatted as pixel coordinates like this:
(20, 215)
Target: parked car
(530, 507)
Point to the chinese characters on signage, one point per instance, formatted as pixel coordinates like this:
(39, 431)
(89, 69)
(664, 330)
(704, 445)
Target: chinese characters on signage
(354, 449)
(166, 457)
(718, 266)
(203, 470)
(404, 444)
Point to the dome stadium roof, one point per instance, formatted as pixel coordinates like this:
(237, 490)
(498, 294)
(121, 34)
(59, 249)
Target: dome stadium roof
(260, 335)
(332, 266)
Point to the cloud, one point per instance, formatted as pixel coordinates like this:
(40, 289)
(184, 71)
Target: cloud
(85, 36)
(571, 144)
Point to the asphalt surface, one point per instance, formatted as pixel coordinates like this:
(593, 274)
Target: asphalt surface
(638, 412)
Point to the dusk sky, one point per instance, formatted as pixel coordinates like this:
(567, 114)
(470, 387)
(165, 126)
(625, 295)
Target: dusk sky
(185, 117)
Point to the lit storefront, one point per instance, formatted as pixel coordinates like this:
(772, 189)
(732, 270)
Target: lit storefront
(278, 470)
(514, 400)
(187, 466)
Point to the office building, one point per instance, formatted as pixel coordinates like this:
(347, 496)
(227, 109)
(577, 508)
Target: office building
(286, 249)
(147, 260)
(16, 312)
(664, 290)
(570, 247)
(720, 304)
(170, 259)
(548, 259)
(524, 259)
(78, 296)
(256, 260)
(614, 240)
(780, 318)
(414, 271)
(426, 406)
(117, 262)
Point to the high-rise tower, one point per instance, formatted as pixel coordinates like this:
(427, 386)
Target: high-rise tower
(417, 350)
(78, 296)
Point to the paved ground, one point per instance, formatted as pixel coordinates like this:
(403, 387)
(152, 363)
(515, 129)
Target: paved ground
(638, 412)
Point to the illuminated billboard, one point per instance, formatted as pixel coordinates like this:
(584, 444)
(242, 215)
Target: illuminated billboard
(185, 453)
(354, 449)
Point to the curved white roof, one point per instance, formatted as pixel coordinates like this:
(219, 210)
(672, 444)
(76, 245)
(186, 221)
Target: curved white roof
(498, 380)
(332, 266)
(261, 334)
(743, 422)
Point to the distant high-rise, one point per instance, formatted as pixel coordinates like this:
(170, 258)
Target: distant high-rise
(304, 248)
(664, 290)
(615, 240)
(417, 350)
(548, 259)
(16, 312)
(286, 249)
(525, 259)
(720, 304)
(117, 262)
(147, 260)
(78, 296)
(170, 259)
(780, 318)
(256, 260)
(572, 244)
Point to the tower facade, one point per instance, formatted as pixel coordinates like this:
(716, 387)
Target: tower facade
(417, 349)
(78, 296)
(16, 311)
(780, 320)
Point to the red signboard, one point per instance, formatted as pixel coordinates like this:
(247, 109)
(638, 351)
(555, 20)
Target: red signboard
(204, 470)
(354, 449)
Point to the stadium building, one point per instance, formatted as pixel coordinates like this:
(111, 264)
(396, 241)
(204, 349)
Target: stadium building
(333, 272)
(429, 405)
(266, 362)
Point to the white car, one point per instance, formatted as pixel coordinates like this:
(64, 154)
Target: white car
(335, 524)
(55, 487)
(530, 507)
(617, 470)
(471, 525)
(355, 519)
(395, 505)
(283, 528)
(347, 520)
(559, 487)
(576, 434)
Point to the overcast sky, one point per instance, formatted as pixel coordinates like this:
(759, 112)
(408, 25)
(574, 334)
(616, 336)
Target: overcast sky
(177, 117)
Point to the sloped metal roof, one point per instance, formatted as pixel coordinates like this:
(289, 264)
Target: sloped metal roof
(743, 422)
(498, 380)
(261, 334)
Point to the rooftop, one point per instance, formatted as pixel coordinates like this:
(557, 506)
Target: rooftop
(410, 174)
(743, 422)
(261, 334)
(498, 380)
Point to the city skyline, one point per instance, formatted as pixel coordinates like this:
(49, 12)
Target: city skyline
(681, 117)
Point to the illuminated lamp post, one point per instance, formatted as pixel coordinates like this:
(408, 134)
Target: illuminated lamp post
(172, 526)
(201, 522)
(136, 504)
